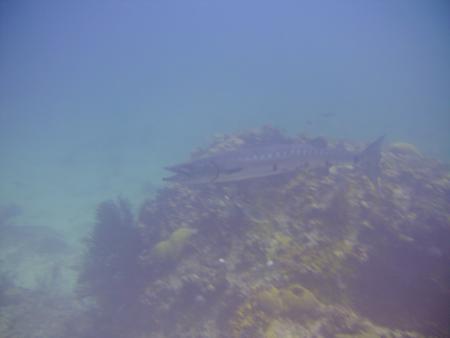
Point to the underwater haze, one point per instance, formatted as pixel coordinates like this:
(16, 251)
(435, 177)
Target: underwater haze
(98, 97)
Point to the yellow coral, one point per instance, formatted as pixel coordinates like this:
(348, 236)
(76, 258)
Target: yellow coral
(279, 242)
(171, 248)
(299, 302)
(401, 148)
(260, 311)
(282, 329)
(269, 301)
(247, 318)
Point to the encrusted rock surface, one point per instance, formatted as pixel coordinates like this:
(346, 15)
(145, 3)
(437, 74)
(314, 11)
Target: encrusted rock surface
(303, 254)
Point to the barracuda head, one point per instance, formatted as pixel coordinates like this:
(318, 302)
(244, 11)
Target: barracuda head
(200, 171)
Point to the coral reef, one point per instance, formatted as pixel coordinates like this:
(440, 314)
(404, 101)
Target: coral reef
(304, 254)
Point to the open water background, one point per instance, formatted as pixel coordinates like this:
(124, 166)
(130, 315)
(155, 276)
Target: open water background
(96, 97)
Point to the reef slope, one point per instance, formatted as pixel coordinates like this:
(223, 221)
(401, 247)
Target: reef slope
(307, 254)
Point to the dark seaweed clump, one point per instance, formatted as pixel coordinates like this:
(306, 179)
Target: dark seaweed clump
(111, 277)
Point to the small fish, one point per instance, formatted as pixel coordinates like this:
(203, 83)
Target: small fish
(260, 161)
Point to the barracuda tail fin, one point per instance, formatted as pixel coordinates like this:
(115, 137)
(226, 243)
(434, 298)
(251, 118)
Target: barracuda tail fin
(369, 160)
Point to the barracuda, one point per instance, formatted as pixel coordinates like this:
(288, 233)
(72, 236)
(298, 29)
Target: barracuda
(261, 161)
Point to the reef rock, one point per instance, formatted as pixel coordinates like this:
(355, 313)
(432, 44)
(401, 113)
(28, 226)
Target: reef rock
(304, 254)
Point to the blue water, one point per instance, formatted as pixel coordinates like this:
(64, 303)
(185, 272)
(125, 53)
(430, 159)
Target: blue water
(96, 97)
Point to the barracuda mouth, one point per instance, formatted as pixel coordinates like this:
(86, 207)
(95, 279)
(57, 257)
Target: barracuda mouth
(179, 169)
(175, 178)
(182, 174)
(201, 172)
